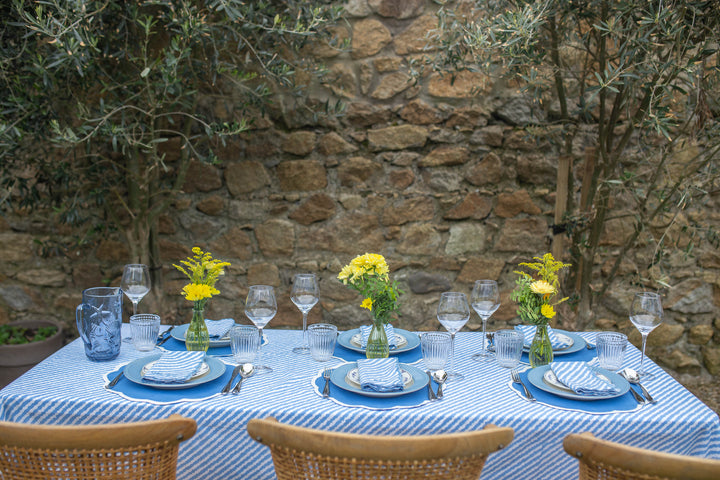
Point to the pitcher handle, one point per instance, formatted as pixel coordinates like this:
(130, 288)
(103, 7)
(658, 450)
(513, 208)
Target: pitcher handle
(79, 321)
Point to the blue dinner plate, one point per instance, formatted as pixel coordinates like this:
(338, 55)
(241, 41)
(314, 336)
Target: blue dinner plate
(339, 377)
(345, 340)
(178, 333)
(578, 343)
(543, 378)
(133, 372)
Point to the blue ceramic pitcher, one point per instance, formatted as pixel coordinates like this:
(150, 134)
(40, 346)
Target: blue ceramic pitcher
(99, 320)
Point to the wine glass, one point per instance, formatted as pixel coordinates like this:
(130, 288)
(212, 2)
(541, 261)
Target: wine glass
(135, 283)
(260, 308)
(453, 313)
(304, 295)
(646, 314)
(485, 299)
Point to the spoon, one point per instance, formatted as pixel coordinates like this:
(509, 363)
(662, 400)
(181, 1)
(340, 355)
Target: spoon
(633, 377)
(440, 376)
(246, 371)
(226, 388)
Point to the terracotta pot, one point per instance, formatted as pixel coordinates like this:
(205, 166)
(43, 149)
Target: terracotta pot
(18, 359)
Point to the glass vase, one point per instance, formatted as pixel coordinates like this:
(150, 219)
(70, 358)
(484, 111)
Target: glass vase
(196, 336)
(541, 352)
(377, 344)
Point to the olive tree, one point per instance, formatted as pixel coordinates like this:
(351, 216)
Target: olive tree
(626, 88)
(106, 104)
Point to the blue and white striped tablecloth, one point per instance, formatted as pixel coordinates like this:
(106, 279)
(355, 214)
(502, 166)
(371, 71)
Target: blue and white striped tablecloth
(67, 388)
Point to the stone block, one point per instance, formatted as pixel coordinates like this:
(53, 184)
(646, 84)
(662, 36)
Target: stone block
(276, 237)
(414, 38)
(473, 206)
(515, 203)
(445, 156)
(523, 235)
(333, 144)
(363, 114)
(420, 239)
(357, 170)
(491, 136)
(411, 210)
(212, 205)
(463, 84)
(235, 243)
(202, 177)
(401, 179)
(16, 247)
(369, 37)
(245, 177)
(263, 274)
(317, 208)
(400, 9)
(691, 296)
(477, 268)
(391, 84)
(700, 334)
(466, 238)
(489, 171)
(397, 138)
(711, 359)
(112, 251)
(302, 175)
(423, 282)
(299, 143)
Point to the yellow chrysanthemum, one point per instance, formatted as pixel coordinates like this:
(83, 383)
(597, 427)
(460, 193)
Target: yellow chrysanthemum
(198, 291)
(367, 303)
(371, 263)
(547, 311)
(542, 287)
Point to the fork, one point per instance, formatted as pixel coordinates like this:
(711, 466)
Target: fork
(326, 376)
(516, 378)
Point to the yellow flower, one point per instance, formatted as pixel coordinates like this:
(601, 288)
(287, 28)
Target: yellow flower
(547, 311)
(198, 291)
(367, 303)
(371, 263)
(542, 287)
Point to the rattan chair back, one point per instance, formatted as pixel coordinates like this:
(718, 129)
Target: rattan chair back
(139, 451)
(304, 453)
(601, 459)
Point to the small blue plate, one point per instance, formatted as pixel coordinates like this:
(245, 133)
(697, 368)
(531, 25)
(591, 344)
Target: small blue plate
(133, 372)
(536, 376)
(339, 379)
(345, 340)
(178, 333)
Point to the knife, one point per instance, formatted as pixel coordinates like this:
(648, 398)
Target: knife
(226, 388)
(115, 380)
(431, 394)
(166, 336)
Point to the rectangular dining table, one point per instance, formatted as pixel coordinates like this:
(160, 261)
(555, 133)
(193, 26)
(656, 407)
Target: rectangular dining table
(68, 388)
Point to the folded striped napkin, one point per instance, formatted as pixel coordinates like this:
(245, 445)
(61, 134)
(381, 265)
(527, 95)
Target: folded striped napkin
(219, 328)
(380, 374)
(389, 331)
(581, 379)
(528, 332)
(174, 367)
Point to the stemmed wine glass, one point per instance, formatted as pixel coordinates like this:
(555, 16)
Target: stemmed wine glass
(453, 313)
(646, 314)
(135, 283)
(304, 295)
(485, 299)
(260, 308)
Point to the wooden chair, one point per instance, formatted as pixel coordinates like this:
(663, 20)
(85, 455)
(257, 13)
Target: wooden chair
(304, 453)
(139, 451)
(601, 459)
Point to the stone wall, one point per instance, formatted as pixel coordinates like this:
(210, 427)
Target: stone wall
(443, 182)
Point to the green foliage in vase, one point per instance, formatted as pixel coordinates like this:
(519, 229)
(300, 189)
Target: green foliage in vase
(534, 294)
(628, 88)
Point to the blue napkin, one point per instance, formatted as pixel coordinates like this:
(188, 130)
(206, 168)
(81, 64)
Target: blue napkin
(528, 332)
(219, 328)
(174, 367)
(581, 379)
(380, 374)
(389, 331)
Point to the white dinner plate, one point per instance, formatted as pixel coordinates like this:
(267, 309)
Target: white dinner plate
(178, 333)
(408, 341)
(544, 379)
(413, 377)
(211, 369)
